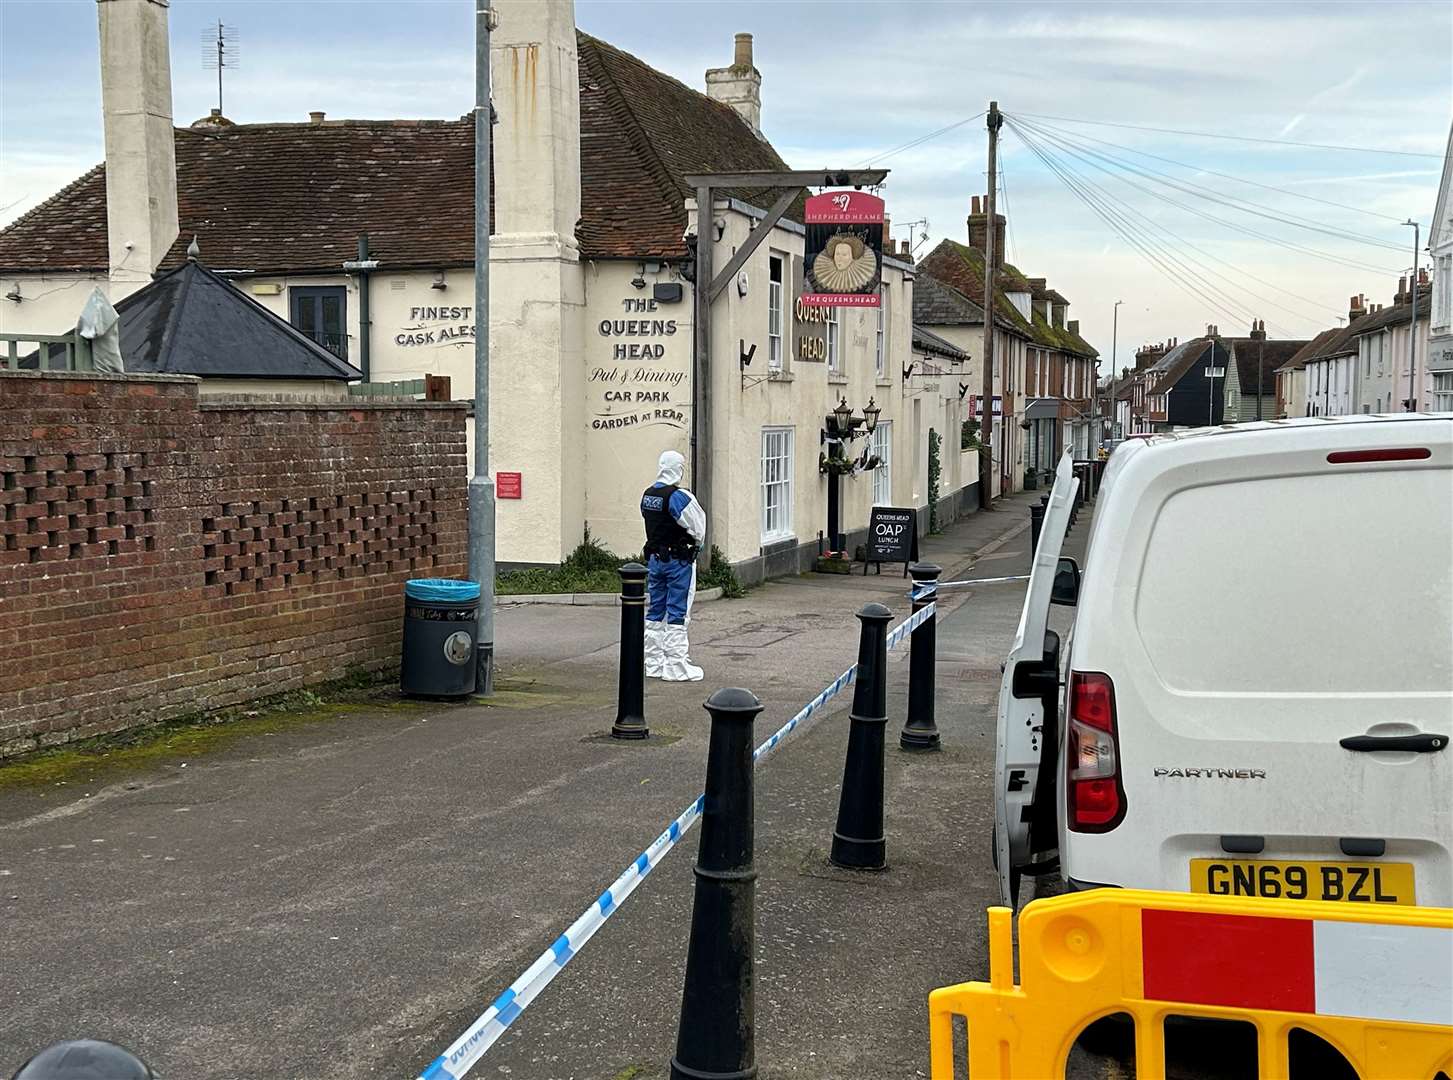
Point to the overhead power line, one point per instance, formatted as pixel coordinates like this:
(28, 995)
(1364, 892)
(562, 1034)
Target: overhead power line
(1237, 138)
(1174, 269)
(1281, 242)
(1244, 205)
(1229, 176)
(882, 155)
(1182, 242)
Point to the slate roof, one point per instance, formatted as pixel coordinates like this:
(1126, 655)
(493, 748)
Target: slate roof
(295, 197)
(1177, 362)
(189, 321)
(926, 340)
(938, 304)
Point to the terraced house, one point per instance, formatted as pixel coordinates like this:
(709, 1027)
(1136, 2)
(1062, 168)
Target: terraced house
(1044, 372)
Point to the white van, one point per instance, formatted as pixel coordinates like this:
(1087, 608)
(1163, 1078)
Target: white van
(1256, 697)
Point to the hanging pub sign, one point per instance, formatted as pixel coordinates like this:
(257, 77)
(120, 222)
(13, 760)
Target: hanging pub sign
(843, 266)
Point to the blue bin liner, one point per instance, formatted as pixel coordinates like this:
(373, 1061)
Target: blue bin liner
(443, 590)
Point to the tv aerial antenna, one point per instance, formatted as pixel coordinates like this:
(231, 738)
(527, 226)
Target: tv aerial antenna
(221, 51)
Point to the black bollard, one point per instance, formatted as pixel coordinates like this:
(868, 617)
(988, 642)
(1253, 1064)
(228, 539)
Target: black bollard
(1036, 525)
(715, 1040)
(631, 703)
(84, 1059)
(920, 732)
(857, 842)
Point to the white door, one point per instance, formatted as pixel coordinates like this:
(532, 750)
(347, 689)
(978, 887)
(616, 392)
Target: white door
(1021, 734)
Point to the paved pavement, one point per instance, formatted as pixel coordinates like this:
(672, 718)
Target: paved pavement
(340, 898)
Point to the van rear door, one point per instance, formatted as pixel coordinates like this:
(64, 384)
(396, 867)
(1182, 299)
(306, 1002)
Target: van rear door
(1277, 622)
(1021, 728)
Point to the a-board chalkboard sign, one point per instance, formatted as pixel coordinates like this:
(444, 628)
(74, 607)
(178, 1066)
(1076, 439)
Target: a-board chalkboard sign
(892, 536)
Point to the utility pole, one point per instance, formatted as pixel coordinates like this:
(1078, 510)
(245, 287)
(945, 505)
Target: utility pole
(986, 408)
(1413, 326)
(481, 487)
(1114, 363)
(1211, 398)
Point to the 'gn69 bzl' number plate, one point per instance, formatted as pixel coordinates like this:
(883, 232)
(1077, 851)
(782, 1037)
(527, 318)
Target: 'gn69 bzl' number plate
(1370, 883)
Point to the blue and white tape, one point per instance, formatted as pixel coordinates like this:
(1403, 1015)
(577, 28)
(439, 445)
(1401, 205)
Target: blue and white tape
(924, 590)
(466, 1050)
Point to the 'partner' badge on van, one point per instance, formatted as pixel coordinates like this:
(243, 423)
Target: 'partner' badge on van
(1213, 774)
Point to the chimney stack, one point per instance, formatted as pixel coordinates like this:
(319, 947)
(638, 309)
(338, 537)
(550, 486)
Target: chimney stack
(979, 229)
(1258, 330)
(740, 85)
(141, 162)
(316, 117)
(537, 134)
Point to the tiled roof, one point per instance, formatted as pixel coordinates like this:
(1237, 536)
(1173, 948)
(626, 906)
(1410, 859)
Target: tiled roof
(927, 341)
(1257, 361)
(641, 134)
(295, 197)
(1313, 349)
(938, 304)
(1393, 314)
(270, 197)
(962, 267)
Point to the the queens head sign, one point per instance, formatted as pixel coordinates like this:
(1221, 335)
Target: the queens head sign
(844, 258)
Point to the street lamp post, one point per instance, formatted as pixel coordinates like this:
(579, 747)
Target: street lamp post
(481, 486)
(1413, 325)
(1114, 363)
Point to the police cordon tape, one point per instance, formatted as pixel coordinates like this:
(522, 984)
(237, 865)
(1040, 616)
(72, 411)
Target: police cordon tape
(464, 1053)
(925, 590)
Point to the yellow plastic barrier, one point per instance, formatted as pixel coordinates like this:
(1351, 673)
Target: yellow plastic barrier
(1373, 980)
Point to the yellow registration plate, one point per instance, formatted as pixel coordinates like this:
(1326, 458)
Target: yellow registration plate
(1369, 883)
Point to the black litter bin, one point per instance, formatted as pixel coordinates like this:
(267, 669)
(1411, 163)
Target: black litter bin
(441, 619)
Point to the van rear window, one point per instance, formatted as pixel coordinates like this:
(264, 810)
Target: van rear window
(1340, 582)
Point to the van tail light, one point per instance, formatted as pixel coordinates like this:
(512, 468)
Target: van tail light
(1095, 797)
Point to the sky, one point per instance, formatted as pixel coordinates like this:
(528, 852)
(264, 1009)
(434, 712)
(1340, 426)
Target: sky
(845, 81)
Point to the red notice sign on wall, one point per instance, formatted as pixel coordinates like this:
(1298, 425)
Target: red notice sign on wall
(508, 485)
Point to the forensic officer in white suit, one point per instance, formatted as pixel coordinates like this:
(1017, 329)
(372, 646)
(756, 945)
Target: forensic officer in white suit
(675, 533)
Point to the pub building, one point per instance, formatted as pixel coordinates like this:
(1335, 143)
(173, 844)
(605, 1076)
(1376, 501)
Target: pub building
(591, 288)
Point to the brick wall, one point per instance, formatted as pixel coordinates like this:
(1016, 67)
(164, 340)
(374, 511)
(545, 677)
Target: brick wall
(159, 555)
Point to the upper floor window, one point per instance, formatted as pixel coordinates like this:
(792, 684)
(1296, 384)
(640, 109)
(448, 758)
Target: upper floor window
(879, 341)
(774, 312)
(320, 312)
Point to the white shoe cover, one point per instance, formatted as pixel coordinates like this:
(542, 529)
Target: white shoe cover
(655, 648)
(677, 668)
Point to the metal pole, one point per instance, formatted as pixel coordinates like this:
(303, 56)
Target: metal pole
(919, 730)
(1114, 363)
(1211, 397)
(857, 842)
(364, 322)
(1413, 326)
(481, 487)
(716, 1038)
(631, 697)
(986, 407)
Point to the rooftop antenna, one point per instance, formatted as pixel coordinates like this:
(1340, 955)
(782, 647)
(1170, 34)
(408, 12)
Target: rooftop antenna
(221, 48)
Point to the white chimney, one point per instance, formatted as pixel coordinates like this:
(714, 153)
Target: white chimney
(141, 164)
(740, 85)
(537, 140)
